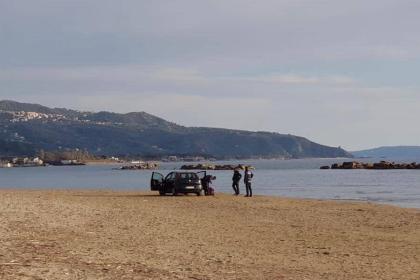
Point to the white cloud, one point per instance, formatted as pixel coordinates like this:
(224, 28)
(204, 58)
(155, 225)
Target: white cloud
(294, 79)
(139, 73)
(99, 73)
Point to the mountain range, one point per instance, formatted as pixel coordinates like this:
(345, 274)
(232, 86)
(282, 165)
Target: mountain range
(28, 128)
(391, 152)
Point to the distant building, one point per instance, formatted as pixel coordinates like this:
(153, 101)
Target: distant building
(6, 165)
(38, 161)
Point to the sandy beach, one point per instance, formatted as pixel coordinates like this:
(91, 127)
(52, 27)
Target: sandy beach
(50, 234)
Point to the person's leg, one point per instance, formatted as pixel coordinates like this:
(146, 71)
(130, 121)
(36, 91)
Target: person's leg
(247, 189)
(250, 189)
(237, 188)
(234, 187)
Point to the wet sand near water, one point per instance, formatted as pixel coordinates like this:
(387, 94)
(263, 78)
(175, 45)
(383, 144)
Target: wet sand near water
(52, 234)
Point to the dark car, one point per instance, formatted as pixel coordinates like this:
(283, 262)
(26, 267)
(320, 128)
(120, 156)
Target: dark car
(177, 183)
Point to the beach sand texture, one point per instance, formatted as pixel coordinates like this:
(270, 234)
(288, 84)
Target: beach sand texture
(129, 235)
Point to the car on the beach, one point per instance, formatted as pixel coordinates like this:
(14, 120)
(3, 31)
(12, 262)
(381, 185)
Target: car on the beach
(177, 182)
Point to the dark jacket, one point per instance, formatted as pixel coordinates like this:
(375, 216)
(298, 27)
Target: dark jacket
(236, 176)
(248, 176)
(207, 180)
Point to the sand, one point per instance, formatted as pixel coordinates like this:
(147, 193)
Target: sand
(129, 235)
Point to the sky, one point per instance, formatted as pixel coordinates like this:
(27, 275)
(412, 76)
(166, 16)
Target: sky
(339, 72)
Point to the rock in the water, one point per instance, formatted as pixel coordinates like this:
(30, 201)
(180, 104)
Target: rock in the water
(215, 167)
(335, 166)
(382, 165)
(141, 166)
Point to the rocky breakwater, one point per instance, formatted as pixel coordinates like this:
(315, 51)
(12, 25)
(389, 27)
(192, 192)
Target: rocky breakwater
(215, 167)
(141, 166)
(382, 165)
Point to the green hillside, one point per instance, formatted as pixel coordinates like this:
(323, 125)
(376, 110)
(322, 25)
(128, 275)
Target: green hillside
(27, 128)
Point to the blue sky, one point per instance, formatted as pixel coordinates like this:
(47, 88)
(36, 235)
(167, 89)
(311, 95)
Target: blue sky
(342, 73)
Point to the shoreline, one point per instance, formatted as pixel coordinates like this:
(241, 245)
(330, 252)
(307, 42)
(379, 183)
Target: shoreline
(103, 234)
(218, 193)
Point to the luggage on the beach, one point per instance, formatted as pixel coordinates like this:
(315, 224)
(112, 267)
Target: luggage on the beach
(210, 191)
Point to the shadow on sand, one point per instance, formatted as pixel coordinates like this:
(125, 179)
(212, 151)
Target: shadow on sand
(133, 195)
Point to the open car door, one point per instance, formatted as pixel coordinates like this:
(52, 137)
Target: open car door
(156, 182)
(202, 174)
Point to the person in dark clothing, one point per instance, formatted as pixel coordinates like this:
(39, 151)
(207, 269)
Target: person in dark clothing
(247, 180)
(206, 181)
(235, 181)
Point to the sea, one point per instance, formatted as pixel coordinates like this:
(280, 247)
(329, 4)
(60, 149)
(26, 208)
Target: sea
(296, 178)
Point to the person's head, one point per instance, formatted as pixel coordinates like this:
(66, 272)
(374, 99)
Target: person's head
(246, 168)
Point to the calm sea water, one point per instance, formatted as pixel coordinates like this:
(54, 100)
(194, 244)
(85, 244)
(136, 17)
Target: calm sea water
(291, 178)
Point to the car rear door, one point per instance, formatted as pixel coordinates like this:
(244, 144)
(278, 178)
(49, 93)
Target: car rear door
(156, 182)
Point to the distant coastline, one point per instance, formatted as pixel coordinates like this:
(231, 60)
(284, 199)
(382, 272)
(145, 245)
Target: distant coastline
(390, 152)
(26, 129)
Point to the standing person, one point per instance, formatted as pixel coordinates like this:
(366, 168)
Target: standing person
(247, 180)
(235, 181)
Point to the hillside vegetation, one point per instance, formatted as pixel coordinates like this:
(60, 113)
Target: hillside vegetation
(28, 128)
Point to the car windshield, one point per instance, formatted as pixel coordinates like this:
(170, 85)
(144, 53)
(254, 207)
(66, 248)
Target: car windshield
(188, 176)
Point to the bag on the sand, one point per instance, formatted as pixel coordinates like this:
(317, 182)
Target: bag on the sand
(210, 191)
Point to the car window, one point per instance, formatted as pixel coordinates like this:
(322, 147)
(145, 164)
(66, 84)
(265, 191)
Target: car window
(170, 176)
(157, 176)
(188, 176)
